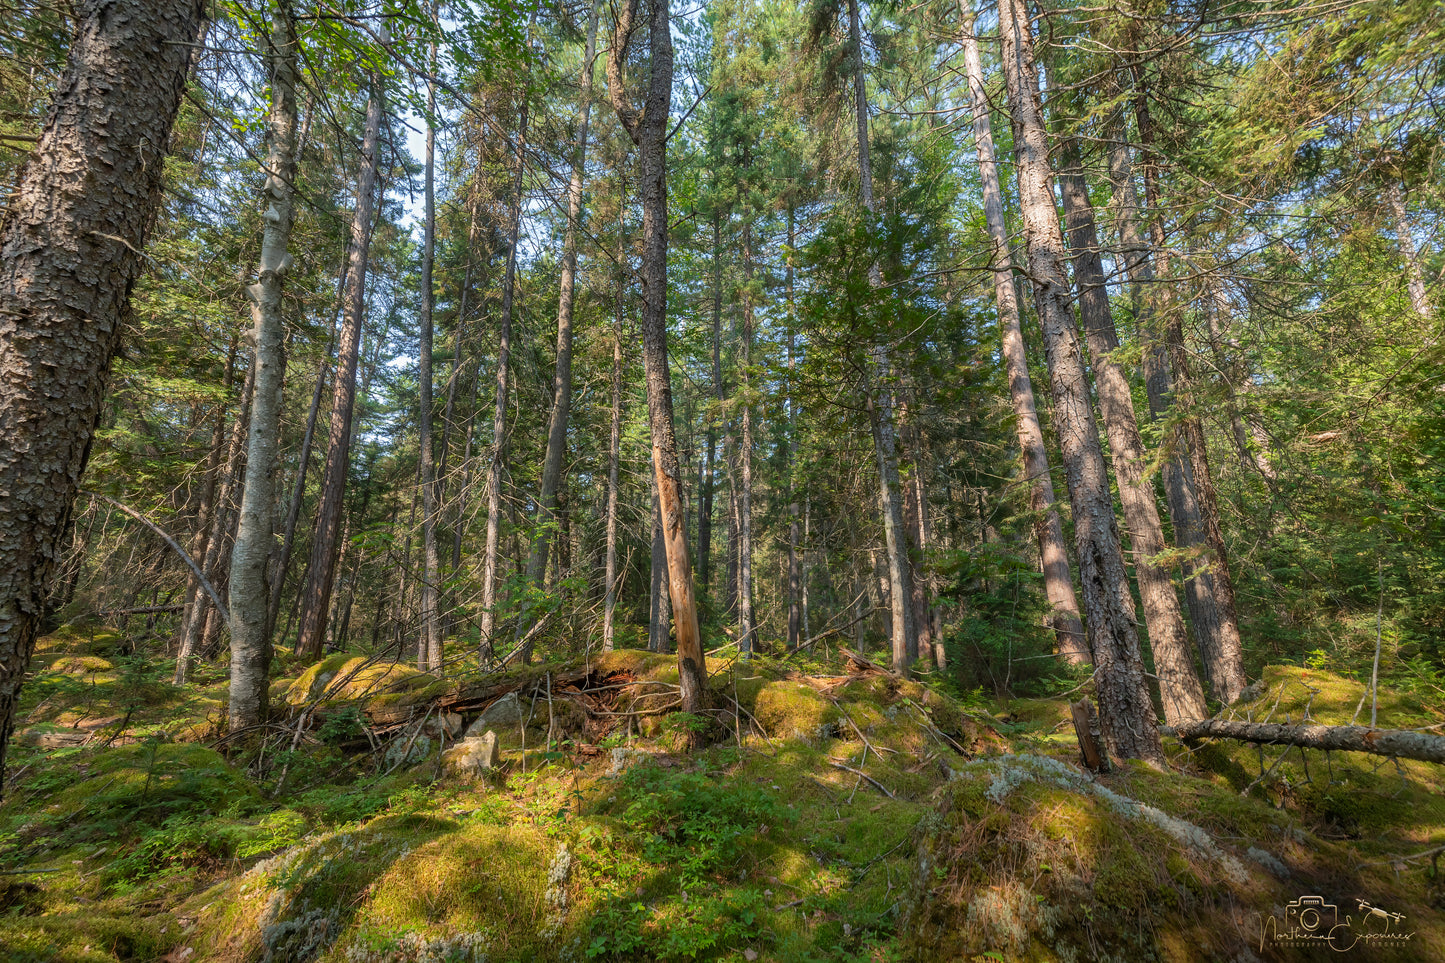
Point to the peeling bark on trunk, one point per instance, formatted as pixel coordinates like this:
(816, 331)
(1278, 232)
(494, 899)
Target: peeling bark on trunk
(1130, 728)
(321, 576)
(1179, 688)
(1048, 530)
(648, 130)
(247, 598)
(70, 243)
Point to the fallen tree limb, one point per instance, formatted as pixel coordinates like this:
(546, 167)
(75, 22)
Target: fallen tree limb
(1400, 743)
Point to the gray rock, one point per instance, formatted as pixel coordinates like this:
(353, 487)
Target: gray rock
(474, 756)
(400, 753)
(621, 755)
(505, 713)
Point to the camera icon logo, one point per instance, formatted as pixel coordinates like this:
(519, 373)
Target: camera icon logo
(1312, 915)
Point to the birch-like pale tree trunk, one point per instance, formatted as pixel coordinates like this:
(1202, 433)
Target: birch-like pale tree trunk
(1048, 529)
(1414, 275)
(1126, 712)
(71, 238)
(248, 599)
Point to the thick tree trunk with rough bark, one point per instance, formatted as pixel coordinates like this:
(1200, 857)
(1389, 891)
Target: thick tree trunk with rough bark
(648, 129)
(1179, 688)
(1130, 728)
(248, 599)
(1048, 530)
(321, 574)
(562, 374)
(1187, 477)
(70, 243)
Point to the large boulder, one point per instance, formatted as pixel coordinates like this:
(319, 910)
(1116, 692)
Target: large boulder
(505, 713)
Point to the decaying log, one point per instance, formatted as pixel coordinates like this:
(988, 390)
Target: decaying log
(1400, 743)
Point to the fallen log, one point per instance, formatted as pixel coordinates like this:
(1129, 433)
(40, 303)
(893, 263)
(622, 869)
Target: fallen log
(1400, 743)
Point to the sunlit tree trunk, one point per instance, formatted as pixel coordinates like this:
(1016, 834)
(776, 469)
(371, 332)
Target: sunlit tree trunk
(1414, 275)
(71, 239)
(1048, 529)
(562, 376)
(1179, 688)
(648, 129)
(429, 644)
(248, 599)
(499, 409)
(1127, 715)
(880, 401)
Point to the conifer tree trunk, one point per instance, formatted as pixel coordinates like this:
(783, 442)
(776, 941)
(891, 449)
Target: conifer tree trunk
(1179, 687)
(499, 409)
(705, 514)
(248, 599)
(880, 401)
(1414, 276)
(659, 611)
(796, 592)
(1168, 380)
(562, 376)
(614, 446)
(746, 629)
(648, 129)
(1048, 529)
(194, 612)
(321, 572)
(205, 635)
(70, 243)
(1130, 728)
(429, 646)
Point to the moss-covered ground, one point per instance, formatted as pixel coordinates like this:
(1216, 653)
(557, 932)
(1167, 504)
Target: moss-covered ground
(827, 817)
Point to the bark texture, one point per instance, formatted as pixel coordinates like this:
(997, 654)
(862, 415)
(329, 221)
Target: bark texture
(562, 372)
(248, 598)
(429, 645)
(1048, 529)
(70, 243)
(1179, 688)
(321, 575)
(1129, 724)
(880, 400)
(648, 130)
(1401, 743)
(1414, 275)
(499, 409)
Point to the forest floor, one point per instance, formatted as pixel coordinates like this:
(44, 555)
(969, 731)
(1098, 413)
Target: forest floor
(827, 814)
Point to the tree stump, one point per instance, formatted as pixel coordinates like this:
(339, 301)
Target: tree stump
(1086, 728)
